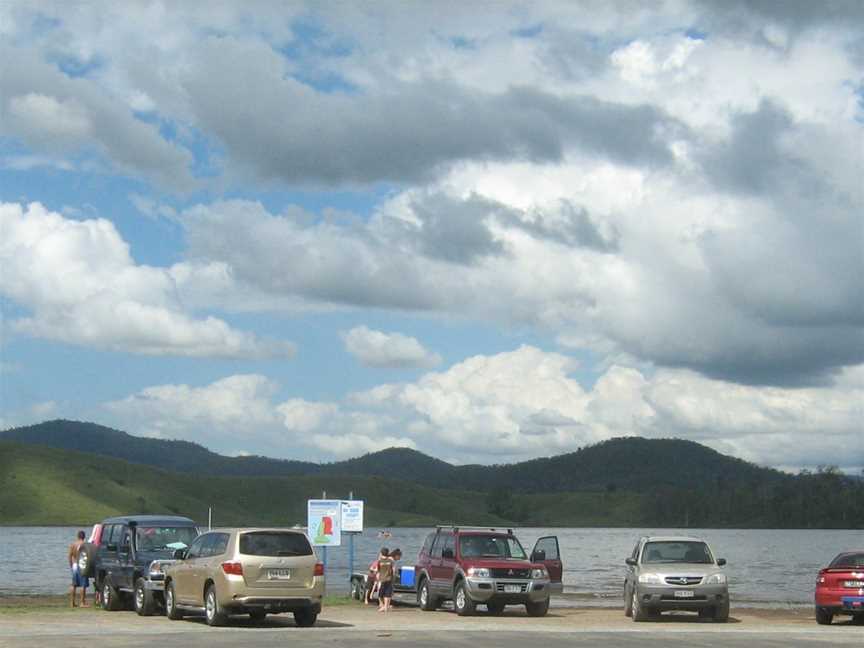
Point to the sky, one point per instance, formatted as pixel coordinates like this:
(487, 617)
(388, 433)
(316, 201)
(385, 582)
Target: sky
(489, 231)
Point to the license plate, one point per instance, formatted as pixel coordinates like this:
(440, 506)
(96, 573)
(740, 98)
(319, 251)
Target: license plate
(683, 593)
(278, 574)
(512, 589)
(855, 584)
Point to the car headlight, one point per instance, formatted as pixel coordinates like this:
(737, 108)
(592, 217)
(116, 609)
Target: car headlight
(716, 579)
(650, 579)
(539, 573)
(479, 572)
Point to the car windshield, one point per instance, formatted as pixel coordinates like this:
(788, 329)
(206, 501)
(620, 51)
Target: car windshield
(852, 560)
(490, 546)
(677, 552)
(156, 538)
(269, 543)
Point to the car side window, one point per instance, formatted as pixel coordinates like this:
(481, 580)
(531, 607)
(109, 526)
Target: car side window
(635, 553)
(549, 546)
(196, 546)
(449, 543)
(219, 544)
(108, 534)
(427, 544)
(123, 538)
(437, 543)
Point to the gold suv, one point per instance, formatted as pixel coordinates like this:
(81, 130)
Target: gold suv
(246, 571)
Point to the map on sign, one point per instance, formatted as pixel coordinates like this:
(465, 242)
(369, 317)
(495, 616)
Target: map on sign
(352, 516)
(324, 521)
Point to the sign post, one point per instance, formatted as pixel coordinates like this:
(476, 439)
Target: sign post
(352, 524)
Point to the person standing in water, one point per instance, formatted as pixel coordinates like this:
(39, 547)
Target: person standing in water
(78, 579)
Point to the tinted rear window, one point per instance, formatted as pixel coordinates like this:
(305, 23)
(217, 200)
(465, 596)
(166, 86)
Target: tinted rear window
(269, 543)
(848, 560)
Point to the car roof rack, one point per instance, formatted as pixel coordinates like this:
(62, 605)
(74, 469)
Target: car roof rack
(468, 527)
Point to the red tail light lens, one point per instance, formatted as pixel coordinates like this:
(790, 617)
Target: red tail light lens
(319, 569)
(234, 568)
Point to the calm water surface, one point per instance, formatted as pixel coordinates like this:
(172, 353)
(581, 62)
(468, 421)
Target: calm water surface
(773, 567)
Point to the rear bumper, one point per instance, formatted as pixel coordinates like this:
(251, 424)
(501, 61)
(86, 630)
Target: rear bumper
(483, 590)
(664, 598)
(234, 593)
(833, 597)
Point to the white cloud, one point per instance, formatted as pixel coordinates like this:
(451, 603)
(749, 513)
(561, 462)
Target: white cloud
(514, 406)
(79, 281)
(393, 350)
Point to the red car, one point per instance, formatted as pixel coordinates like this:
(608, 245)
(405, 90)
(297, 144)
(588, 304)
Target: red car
(840, 588)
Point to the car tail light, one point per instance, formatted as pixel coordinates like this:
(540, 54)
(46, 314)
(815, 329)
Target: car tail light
(319, 569)
(233, 568)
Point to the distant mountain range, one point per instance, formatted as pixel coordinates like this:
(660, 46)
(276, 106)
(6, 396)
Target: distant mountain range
(620, 482)
(629, 463)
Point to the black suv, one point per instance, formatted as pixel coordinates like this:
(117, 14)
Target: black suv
(127, 556)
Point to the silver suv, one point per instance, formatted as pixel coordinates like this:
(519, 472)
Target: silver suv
(675, 573)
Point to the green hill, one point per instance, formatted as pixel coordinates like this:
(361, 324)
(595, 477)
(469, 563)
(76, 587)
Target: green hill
(42, 485)
(625, 463)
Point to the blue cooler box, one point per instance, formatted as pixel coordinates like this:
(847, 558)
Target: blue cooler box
(406, 576)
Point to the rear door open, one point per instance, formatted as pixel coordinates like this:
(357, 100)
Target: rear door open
(546, 551)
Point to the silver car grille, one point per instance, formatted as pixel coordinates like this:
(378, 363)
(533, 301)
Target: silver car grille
(523, 587)
(683, 580)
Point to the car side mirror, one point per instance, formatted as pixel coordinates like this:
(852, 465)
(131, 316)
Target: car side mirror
(179, 554)
(538, 556)
(721, 562)
(447, 553)
(630, 561)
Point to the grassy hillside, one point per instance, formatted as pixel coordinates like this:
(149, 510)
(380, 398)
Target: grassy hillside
(40, 485)
(626, 463)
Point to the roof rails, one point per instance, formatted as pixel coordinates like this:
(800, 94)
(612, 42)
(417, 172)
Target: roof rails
(466, 527)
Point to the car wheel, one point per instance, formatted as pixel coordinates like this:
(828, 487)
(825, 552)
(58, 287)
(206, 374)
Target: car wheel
(257, 614)
(721, 612)
(356, 589)
(628, 603)
(305, 618)
(145, 604)
(213, 612)
(636, 610)
(110, 596)
(85, 559)
(171, 609)
(494, 608)
(462, 602)
(425, 599)
(823, 616)
(537, 609)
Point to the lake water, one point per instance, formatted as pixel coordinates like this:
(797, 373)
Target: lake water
(765, 567)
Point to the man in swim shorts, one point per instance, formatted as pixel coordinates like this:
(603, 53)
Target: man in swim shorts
(78, 579)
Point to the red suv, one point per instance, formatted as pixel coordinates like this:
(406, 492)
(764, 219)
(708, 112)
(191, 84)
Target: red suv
(840, 588)
(471, 565)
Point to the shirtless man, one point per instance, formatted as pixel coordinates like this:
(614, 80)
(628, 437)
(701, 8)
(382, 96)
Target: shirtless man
(78, 579)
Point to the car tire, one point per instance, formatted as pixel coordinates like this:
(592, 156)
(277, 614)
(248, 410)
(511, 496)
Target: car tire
(145, 603)
(462, 601)
(823, 616)
(494, 607)
(356, 589)
(171, 609)
(628, 603)
(721, 612)
(213, 612)
(637, 612)
(537, 609)
(86, 559)
(110, 596)
(257, 615)
(425, 599)
(305, 618)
